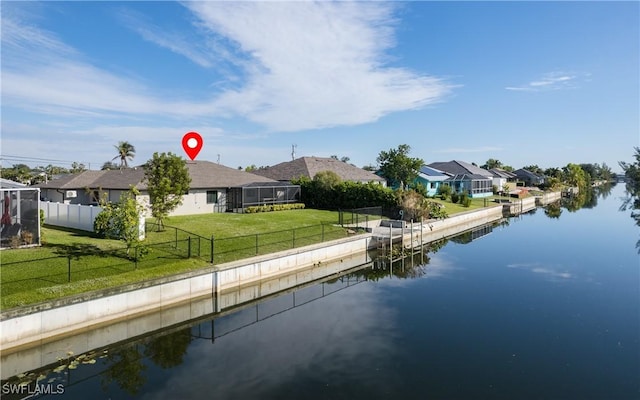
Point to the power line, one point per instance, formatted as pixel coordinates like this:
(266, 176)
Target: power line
(38, 160)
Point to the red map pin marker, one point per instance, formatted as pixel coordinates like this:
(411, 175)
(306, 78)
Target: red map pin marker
(192, 144)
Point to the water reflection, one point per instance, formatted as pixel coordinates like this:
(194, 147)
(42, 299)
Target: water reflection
(583, 199)
(390, 331)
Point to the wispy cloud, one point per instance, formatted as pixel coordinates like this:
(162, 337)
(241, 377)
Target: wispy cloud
(177, 42)
(314, 64)
(304, 66)
(552, 81)
(481, 149)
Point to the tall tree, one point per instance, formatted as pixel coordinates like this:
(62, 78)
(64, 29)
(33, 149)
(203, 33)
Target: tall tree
(534, 168)
(109, 165)
(632, 176)
(126, 151)
(398, 167)
(491, 163)
(77, 167)
(168, 180)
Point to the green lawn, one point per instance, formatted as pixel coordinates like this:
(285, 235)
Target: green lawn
(37, 274)
(454, 208)
(72, 262)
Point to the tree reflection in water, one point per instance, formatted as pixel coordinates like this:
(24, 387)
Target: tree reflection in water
(125, 365)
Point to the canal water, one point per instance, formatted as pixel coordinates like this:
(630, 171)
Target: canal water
(545, 305)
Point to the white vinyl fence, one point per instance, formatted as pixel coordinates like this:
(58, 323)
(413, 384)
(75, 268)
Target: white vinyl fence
(70, 215)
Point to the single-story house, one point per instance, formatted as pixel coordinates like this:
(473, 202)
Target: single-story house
(310, 166)
(529, 178)
(431, 178)
(214, 188)
(502, 177)
(464, 176)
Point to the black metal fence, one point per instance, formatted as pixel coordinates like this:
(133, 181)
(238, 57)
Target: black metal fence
(220, 250)
(77, 262)
(71, 263)
(363, 218)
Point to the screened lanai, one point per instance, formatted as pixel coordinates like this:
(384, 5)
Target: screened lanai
(261, 193)
(475, 185)
(20, 222)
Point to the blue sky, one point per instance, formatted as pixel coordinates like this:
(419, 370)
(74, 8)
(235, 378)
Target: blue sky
(544, 83)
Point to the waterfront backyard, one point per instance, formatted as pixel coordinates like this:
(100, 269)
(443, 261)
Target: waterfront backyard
(72, 262)
(522, 309)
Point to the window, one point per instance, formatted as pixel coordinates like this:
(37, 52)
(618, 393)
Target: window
(212, 196)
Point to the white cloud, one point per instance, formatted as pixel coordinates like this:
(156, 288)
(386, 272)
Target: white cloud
(306, 65)
(552, 81)
(177, 42)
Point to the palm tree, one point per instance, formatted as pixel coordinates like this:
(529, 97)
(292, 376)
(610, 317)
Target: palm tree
(125, 150)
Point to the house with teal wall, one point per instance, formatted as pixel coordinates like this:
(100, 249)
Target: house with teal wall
(431, 179)
(464, 176)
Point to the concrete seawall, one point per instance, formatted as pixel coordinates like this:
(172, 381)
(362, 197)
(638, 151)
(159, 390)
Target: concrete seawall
(38, 323)
(249, 279)
(50, 350)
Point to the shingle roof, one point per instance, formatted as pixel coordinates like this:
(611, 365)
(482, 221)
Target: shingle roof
(464, 177)
(459, 167)
(204, 174)
(310, 166)
(501, 173)
(525, 173)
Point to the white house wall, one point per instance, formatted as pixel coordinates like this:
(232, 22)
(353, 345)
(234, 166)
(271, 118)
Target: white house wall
(193, 203)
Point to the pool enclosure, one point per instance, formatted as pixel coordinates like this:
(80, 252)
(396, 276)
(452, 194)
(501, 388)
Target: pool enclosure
(20, 222)
(261, 193)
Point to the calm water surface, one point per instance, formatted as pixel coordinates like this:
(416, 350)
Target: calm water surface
(540, 308)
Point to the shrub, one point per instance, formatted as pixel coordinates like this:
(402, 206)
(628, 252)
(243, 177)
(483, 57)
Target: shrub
(444, 191)
(466, 201)
(455, 197)
(274, 207)
(463, 195)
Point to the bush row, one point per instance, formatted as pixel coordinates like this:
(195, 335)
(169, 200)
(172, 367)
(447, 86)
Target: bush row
(274, 207)
(344, 194)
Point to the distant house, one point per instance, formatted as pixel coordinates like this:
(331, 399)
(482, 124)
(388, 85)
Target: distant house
(431, 178)
(464, 176)
(529, 178)
(214, 188)
(502, 177)
(310, 166)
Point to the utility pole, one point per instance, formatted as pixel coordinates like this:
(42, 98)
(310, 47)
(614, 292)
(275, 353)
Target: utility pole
(293, 151)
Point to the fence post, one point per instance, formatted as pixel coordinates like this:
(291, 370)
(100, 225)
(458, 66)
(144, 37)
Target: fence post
(135, 258)
(176, 231)
(69, 268)
(322, 232)
(198, 246)
(256, 244)
(188, 247)
(212, 249)
(294, 239)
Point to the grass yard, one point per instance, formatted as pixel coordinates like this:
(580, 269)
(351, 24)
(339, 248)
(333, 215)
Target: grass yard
(223, 225)
(454, 208)
(38, 274)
